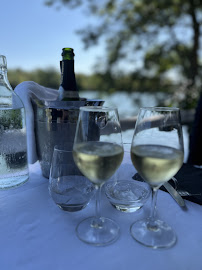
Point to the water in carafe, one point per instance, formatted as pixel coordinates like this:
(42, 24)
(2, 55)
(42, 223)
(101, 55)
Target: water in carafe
(13, 143)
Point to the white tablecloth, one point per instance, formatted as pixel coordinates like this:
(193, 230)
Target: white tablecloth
(36, 234)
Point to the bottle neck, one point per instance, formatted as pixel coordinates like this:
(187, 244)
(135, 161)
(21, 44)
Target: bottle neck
(8, 98)
(3, 68)
(67, 54)
(3, 73)
(68, 89)
(68, 80)
(4, 79)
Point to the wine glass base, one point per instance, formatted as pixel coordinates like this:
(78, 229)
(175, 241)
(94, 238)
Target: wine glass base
(161, 236)
(101, 233)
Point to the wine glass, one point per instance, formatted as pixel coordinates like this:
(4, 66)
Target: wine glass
(98, 152)
(157, 153)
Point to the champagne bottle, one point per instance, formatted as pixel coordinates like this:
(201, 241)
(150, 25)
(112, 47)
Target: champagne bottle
(68, 89)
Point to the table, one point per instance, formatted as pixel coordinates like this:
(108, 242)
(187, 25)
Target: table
(36, 234)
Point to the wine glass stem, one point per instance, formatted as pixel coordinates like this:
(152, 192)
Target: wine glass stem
(97, 221)
(151, 225)
(97, 204)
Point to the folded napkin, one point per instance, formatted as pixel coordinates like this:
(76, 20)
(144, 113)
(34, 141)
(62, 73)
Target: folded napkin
(189, 178)
(25, 91)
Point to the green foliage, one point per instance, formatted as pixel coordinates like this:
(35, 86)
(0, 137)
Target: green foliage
(119, 82)
(164, 35)
(103, 82)
(130, 26)
(48, 77)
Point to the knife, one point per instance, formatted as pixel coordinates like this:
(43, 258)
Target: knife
(176, 196)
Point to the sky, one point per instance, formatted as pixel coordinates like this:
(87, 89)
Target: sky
(32, 35)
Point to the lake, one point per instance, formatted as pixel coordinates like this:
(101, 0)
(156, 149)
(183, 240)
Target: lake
(128, 104)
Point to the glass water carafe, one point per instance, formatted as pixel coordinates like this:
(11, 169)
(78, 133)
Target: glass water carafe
(13, 142)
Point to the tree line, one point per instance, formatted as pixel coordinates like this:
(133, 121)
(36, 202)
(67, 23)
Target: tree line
(103, 82)
(107, 82)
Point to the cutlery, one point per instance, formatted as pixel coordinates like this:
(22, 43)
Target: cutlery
(176, 196)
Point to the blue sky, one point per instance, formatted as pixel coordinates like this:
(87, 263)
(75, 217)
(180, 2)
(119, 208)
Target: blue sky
(32, 35)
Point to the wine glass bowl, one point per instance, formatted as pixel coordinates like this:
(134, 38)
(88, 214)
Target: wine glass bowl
(98, 160)
(98, 152)
(156, 163)
(157, 154)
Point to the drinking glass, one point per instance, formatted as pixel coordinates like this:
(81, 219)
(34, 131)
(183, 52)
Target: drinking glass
(123, 192)
(69, 189)
(98, 152)
(157, 153)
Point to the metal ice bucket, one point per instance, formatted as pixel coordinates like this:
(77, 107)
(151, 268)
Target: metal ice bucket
(55, 123)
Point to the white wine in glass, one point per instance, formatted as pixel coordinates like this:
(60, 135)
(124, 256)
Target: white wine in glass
(156, 163)
(157, 153)
(98, 160)
(98, 152)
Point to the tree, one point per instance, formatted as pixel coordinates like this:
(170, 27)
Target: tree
(153, 37)
(48, 77)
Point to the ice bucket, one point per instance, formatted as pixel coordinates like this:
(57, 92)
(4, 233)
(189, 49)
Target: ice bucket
(55, 123)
